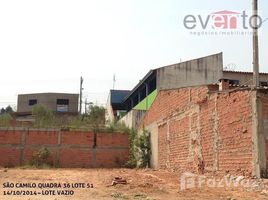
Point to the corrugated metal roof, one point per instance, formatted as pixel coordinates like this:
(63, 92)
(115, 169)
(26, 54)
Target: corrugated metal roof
(140, 83)
(242, 72)
(242, 86)
(117, 96)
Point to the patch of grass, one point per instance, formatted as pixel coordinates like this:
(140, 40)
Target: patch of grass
(119, 195)
(116, 127)
(142, 197)
(31, 166)
(27, 166)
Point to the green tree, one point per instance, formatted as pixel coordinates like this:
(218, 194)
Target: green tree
(132, 159)
(3, 111)
(143, 149)
(5, 120)
(8, 109)
(44, 118)
(140, 149)
(96, 117)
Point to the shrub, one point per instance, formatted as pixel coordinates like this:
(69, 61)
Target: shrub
(40, 158)
(117, 127)
(132, 160)
(140, 149)
(142, 145)
(76, 123)
(96, 118)
(44, 118)
(5, 120)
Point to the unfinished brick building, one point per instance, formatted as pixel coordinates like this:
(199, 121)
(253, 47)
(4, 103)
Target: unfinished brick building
(213, 128)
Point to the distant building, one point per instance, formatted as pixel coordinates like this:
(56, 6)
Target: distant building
(244, 78)
(58, 102)
(114, 108)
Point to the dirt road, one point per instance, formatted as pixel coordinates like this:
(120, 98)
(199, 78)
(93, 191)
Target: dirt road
(52, 184)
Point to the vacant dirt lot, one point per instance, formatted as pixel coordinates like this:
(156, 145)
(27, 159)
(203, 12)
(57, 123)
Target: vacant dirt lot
(141, 185)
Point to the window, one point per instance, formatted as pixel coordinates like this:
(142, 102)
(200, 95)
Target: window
(32, 102)
(264, 84)
(234, 82)
(62, 101)
(62, 105)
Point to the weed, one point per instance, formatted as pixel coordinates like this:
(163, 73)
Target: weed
(40, 158)
(119, 195)
(5, 120)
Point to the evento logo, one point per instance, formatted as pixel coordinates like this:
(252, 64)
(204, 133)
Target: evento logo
(223, 21)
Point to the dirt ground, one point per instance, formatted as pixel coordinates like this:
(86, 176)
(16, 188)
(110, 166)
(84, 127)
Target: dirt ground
(141, 185)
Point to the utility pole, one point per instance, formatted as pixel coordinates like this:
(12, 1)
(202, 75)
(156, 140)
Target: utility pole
(256, 79)
(86, 106)
(81, 94)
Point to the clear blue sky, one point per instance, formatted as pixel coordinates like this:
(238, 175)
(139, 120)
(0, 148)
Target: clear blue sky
(45, 46)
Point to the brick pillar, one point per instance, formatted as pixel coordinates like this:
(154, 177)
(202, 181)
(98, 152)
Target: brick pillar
(224, 84)
(22, 144)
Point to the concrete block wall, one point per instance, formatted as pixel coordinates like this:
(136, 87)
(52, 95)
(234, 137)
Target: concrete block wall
(201, 130)
(266, 152)
(133, 118)
(68, 149)
(201, 71)
(264, 126)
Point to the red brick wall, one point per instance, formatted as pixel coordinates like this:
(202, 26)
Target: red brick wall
(76, 158)
(111, 157)
(235, 132)
(9, 156)
(178, 131)
(10, 137)
(162, 147)
(78, 138)
(42, 137)
(67, 149)
(111, 140)
(201, 131)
